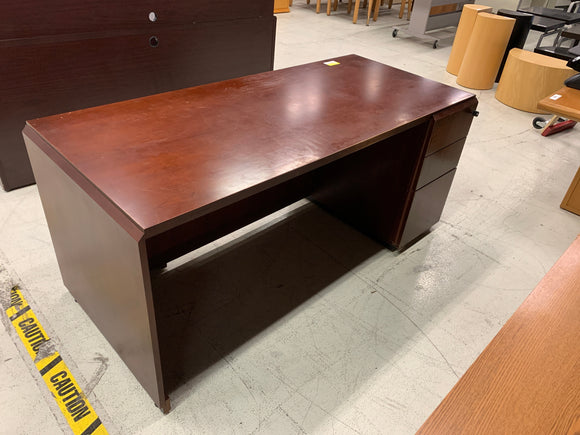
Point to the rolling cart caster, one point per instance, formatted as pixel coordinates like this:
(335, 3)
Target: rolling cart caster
(539, 122)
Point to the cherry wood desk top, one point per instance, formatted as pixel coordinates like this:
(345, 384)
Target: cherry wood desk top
(166, 159)
(527, 380)
(568, 105)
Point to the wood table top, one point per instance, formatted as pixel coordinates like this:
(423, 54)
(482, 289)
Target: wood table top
(527, 380)
(165, 159)
(568, 105)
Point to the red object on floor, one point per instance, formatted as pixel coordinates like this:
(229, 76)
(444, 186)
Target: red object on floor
(556, 128)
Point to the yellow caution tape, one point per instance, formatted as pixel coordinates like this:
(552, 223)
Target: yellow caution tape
(71, 400)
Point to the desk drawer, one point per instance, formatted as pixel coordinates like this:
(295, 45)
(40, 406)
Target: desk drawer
(440, 162)
(426, 208)
(451, 125)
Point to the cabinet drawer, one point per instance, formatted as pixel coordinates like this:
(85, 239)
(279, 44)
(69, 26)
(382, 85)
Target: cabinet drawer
(451, 125)
(440, 162)
(426, 208)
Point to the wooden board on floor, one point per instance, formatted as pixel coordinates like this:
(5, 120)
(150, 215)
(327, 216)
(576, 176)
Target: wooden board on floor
(527, 380)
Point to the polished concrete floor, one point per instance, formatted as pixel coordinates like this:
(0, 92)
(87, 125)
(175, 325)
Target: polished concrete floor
(298, 323)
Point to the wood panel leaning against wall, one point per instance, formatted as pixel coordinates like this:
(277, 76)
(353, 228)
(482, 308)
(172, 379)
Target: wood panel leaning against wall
(67, 55)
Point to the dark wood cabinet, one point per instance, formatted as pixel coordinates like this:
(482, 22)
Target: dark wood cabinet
(69, 55)
(450, 128)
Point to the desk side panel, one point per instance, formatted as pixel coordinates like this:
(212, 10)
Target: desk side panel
(105, 269)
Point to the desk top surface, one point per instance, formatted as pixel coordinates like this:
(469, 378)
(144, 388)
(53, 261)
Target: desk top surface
(557, 14)
(567, 105)
(527, 380)
(545, 24)
(168, 158)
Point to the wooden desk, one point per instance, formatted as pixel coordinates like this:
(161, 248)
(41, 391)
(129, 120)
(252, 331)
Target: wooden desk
(135, 184)
(527, 380)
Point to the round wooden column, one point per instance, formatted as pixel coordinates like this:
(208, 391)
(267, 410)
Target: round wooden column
(464, 30)
(528, 77)
(484, 51)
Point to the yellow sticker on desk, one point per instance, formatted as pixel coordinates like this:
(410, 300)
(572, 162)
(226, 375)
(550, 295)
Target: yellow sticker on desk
(331, 63)
(65, 390)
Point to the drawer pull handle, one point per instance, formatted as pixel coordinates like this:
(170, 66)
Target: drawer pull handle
(154, 41)
(152, 17)
(475, 113)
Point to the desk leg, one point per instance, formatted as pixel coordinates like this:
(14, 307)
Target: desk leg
(106, 270)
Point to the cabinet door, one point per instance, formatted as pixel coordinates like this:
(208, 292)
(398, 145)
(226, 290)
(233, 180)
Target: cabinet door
(451, 125)
(439, 163)
(427, 207)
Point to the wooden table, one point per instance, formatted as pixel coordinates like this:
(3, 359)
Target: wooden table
(567, 105)
(527, 380)
(129, 186)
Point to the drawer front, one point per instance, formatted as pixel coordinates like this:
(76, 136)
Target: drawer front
(451, 125)
(35, 18)
(440, 162)
(426, 208)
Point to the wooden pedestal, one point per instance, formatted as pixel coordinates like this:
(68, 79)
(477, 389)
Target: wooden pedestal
(485, 51)
(528, 77)
(464, 31)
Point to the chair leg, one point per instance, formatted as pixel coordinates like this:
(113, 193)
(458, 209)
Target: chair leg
(290, 3)
(390, 4)
(328, 7)
(335, 7)
(348, 11)
(307, 2)
(355, 13)
(370, 9)
(409, 9)
(365, 4)
(377, 7)
(402, 10)
(318, 6)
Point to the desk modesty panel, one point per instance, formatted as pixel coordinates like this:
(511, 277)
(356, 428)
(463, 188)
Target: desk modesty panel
(156, 177)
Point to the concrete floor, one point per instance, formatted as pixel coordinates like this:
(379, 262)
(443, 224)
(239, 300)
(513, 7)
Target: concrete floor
(299, 324)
